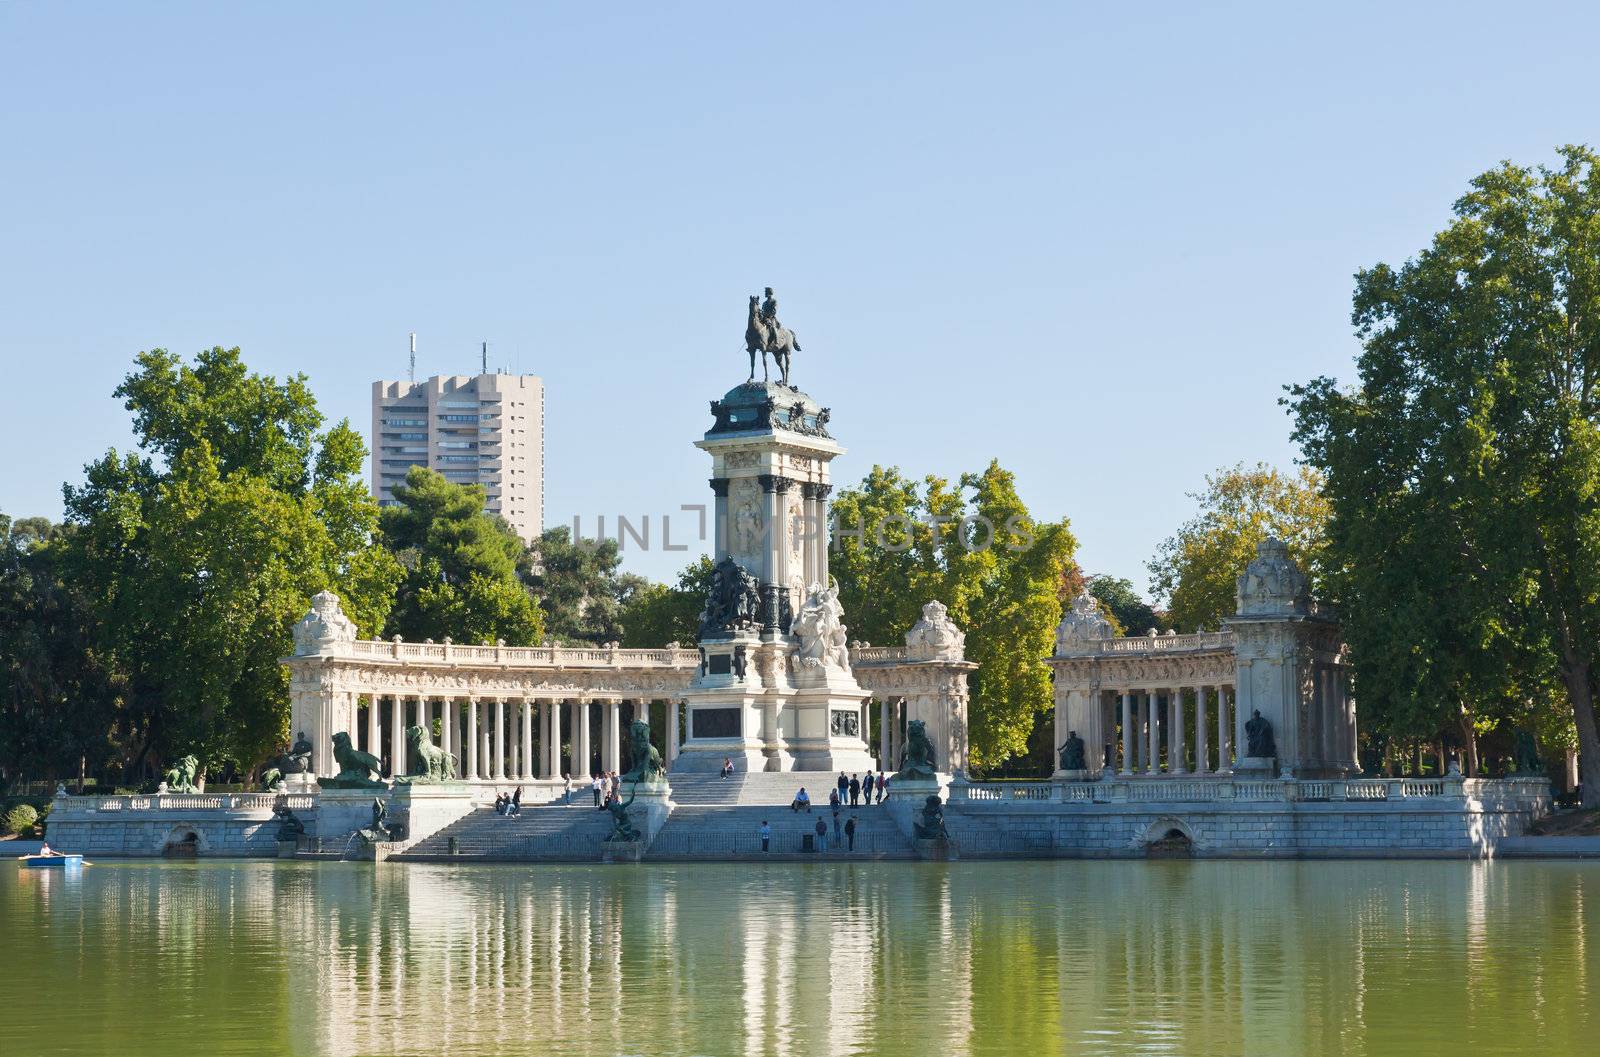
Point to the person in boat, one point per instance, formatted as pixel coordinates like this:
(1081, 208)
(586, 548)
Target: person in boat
(45, 849)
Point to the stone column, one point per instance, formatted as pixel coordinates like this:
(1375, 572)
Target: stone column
(822, 491)
(1224, 754)
(674, 713)
(580, 739)
(499, 752)
(374, 727)
(472, 737)
(527, 737)
(610, 720)
(397, 736)
(448, 709)
(1176, 764)
(485, 742)
(884, 731)
(1153, 751)
(719, 523)
(551, 732)
(419, 711)
(1202, 765)
(1127, 732)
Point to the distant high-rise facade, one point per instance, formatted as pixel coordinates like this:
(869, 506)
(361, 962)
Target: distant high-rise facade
(486, 430)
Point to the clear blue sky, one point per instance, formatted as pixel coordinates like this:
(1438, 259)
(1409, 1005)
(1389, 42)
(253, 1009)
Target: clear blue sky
(1091, 241)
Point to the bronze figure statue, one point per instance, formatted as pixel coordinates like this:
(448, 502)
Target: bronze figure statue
(1072, 752)
(1259, 742)
(764, 334)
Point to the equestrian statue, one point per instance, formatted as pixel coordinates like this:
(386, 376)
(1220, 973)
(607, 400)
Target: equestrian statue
(764, 334)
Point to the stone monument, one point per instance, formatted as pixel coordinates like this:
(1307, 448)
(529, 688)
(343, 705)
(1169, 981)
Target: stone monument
(775, 689)
(1083, 626)
(1290, 674)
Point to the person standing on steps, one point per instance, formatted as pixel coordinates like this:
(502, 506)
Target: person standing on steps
(850, 831)
(766, 836)
(883, 787)
(855, 791)
(822, 835)
(844, 786)
(594, 787)
(836, 805)
(566, 797)
(866, 787)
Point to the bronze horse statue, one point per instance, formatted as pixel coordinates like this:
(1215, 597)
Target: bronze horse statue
(779, 344)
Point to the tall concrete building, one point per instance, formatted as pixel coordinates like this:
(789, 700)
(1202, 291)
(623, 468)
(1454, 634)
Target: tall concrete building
(486, 430)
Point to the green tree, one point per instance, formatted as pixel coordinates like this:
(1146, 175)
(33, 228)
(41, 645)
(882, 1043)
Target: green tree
(1196, 568)
(1120, 602)
(460, 562)
(581, 587)
(57, 698)
(657, 614)
(1464, 468)
(976, 548)
(197, 555)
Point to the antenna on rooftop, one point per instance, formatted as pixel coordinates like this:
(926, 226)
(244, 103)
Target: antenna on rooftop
(485, 358)
(413, 372)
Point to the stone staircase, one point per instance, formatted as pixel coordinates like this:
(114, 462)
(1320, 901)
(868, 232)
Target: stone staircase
(542, 833)
(719, 819)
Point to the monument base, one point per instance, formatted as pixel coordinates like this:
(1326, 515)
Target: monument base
(623, 850)
(1256, 767)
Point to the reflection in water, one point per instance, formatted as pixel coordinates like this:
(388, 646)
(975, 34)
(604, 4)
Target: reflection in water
(978, 958)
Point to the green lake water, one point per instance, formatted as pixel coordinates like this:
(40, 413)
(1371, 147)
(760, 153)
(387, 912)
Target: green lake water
(1412, 959)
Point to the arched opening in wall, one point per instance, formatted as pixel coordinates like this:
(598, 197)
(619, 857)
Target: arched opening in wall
(1168, 838)
(182, 846)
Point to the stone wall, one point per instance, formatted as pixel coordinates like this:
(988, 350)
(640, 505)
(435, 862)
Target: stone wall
(1451, 827)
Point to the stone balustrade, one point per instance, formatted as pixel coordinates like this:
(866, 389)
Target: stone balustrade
(188, 803)
(1167, 790)
(1148, 644)
(526, 656)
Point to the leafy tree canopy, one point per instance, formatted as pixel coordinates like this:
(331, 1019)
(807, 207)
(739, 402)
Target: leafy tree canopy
(657, 614)
(1463, 470)
(195, 556)
(461, 577)
(1120, 602)
(899, 543)
(581, 588)
(1197, 567)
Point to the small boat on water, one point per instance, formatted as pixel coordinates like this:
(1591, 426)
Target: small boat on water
(55, 860)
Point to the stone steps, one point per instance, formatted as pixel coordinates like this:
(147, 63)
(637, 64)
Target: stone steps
(695, 833)
(546, 832)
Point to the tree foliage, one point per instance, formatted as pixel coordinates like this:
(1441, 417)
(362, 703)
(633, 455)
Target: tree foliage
(581, 587)
(1197, 567)
(1463, 470)
(461, 577)
(196, 555)
(900, 543)
(56, 694)
(1120, 602)
(656, 614)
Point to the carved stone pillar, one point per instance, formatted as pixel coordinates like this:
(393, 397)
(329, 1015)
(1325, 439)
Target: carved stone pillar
(1175, 739)
(582, 762)
(1202, 765)
(1127, 732)
(374, 727)
(1153, 750)
(719, 528)
(472, 738)
(499, 739)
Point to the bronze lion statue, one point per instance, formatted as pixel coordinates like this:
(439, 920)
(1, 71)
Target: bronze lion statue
(357, 769)
(646, 760)
(180, 777)
(433, 763)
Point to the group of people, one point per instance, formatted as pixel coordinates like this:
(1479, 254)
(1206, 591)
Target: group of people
(606, 787)
(856, 790)
(851, 790)
(509, 804)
